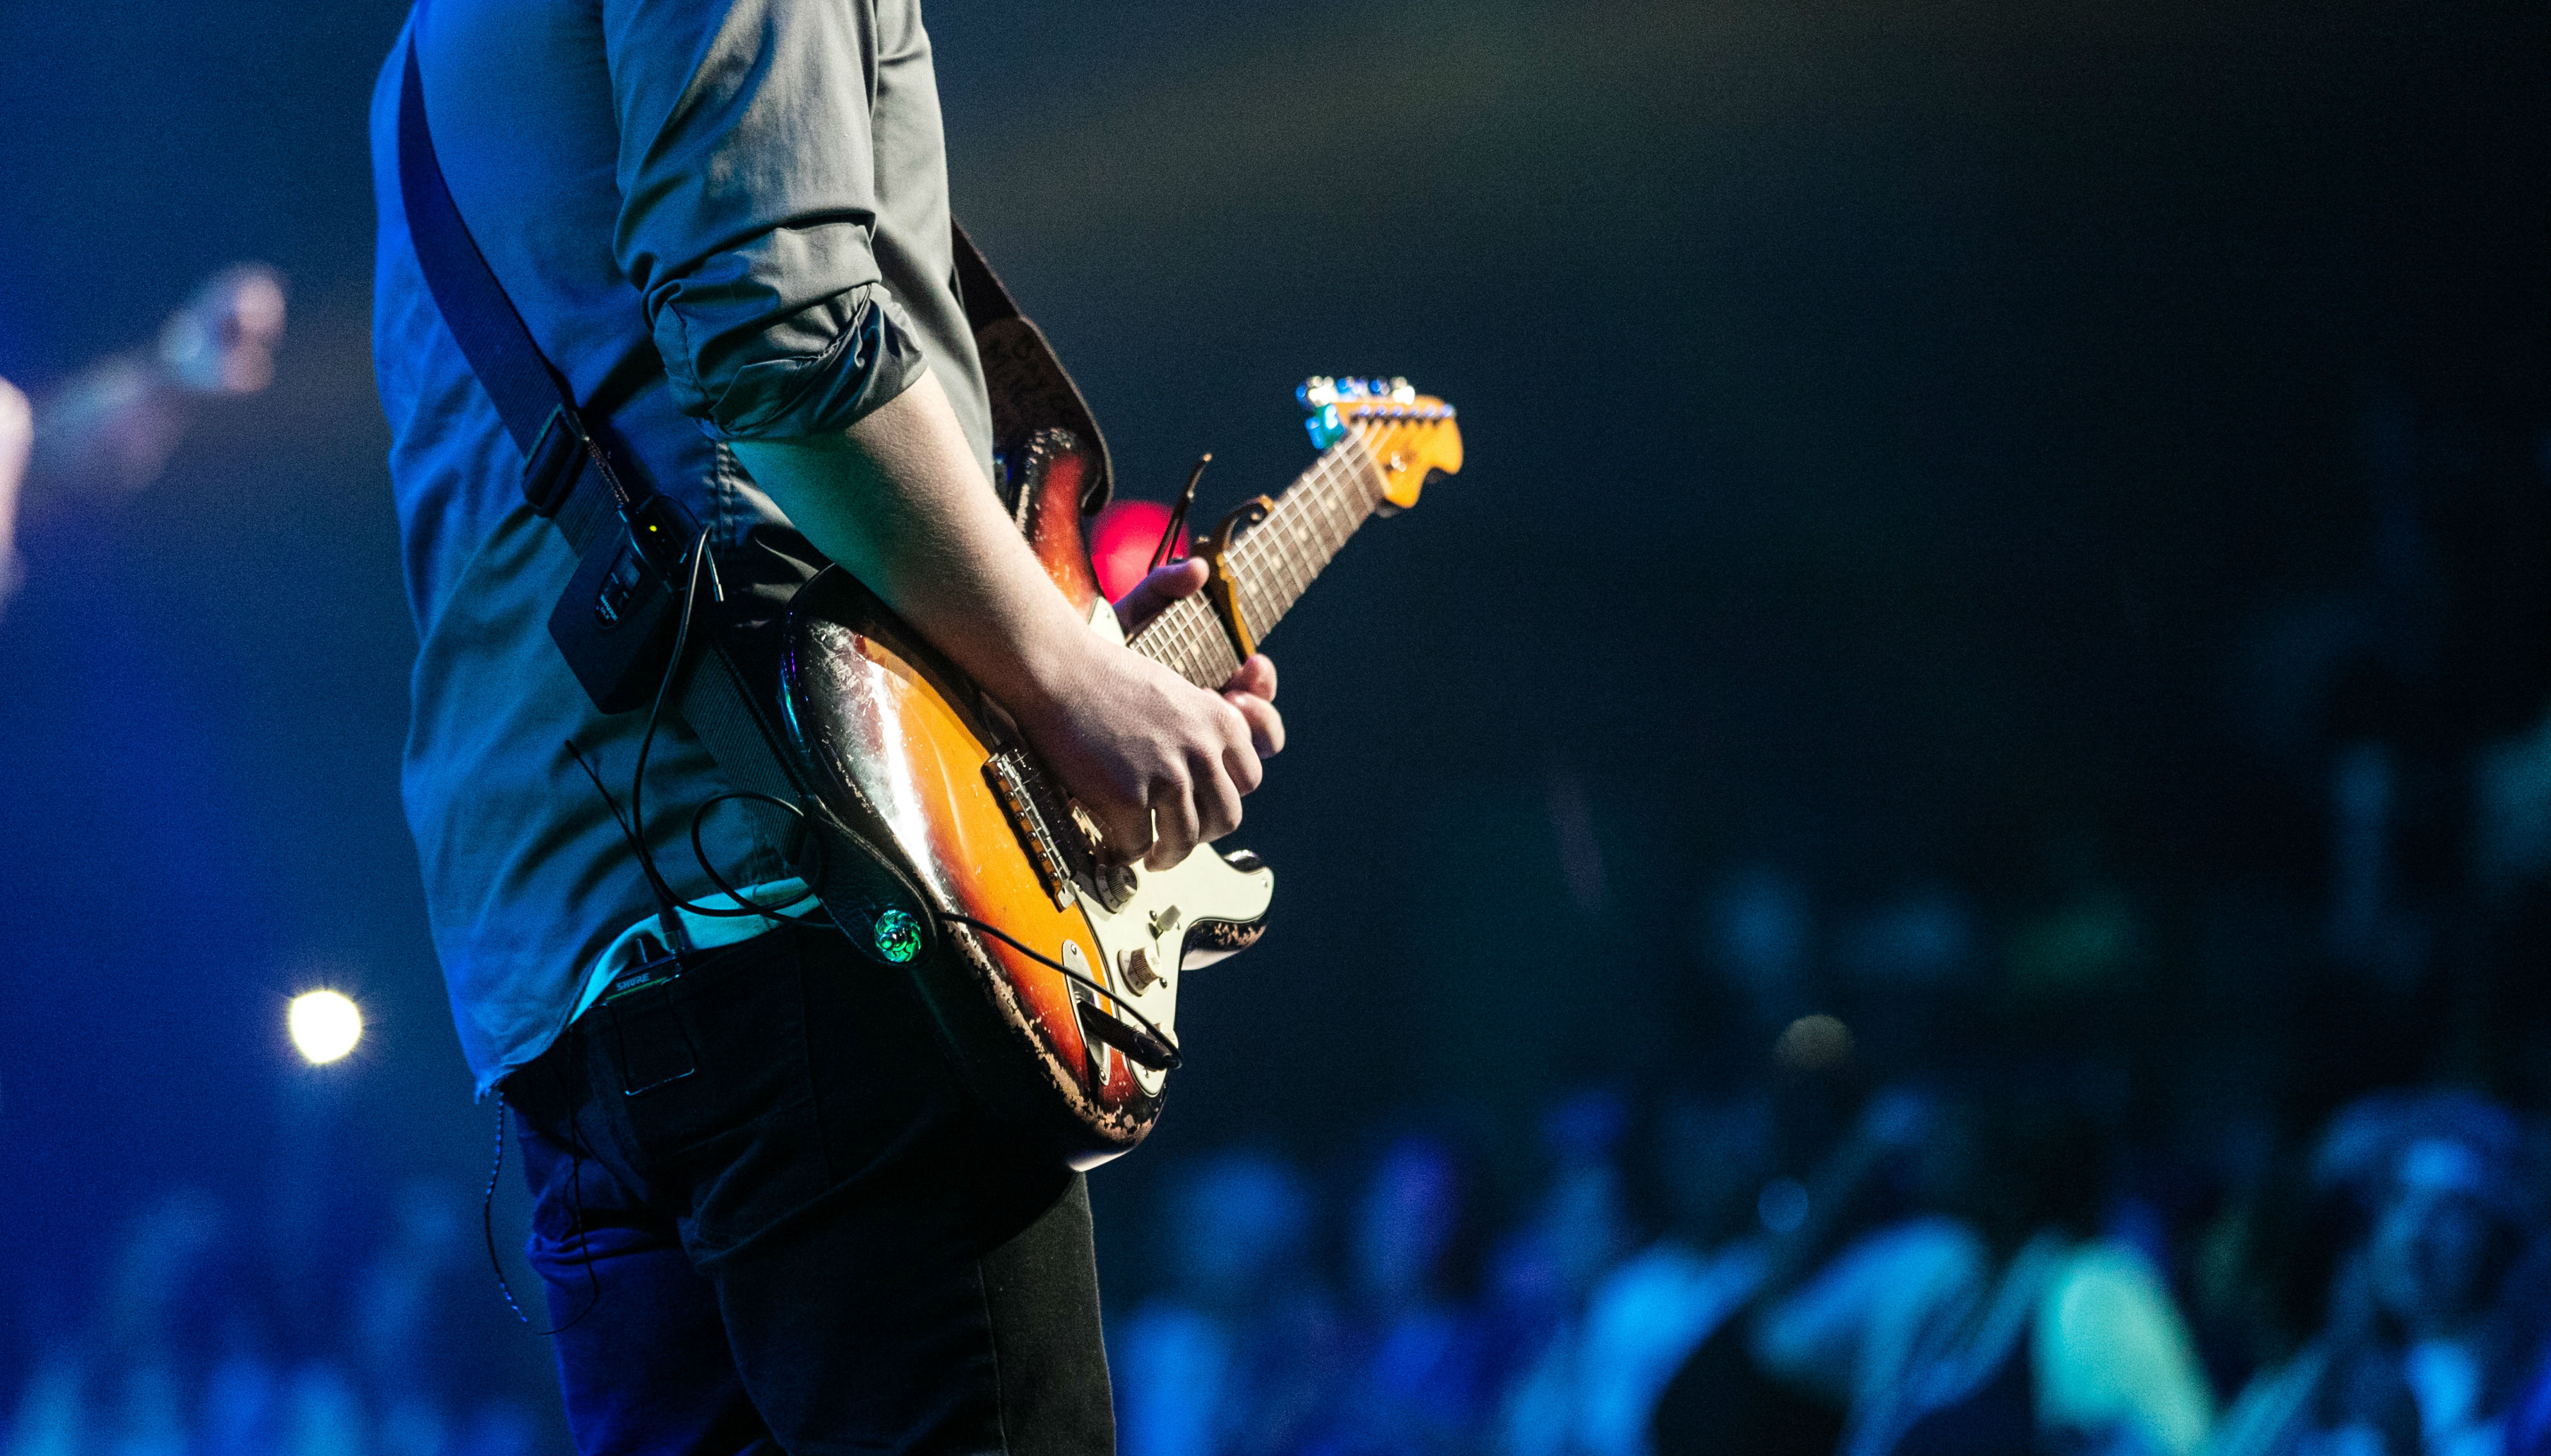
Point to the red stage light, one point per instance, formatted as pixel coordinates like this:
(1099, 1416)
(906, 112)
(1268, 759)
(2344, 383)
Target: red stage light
(1122, 540)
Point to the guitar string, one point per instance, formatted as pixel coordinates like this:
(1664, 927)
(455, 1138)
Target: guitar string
(1313, 490)
(1289, 544)
(1250, 552)
(1287, 541)
(1267, 550)
(1167, 1042)
(1277, 560)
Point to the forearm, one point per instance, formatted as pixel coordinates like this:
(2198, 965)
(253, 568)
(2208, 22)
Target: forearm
(898, 501)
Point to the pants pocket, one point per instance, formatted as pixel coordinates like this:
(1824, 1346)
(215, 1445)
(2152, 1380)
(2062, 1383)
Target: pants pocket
(711, 1073)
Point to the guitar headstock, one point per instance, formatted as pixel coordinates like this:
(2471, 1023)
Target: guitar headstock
(1411, 436)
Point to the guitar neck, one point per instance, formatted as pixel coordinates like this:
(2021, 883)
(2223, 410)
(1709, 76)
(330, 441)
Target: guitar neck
(1272, 564)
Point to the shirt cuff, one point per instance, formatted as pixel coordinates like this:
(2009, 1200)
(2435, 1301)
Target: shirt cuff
(769, 390)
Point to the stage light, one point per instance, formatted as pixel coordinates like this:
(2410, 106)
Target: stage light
(1814, 1044)
(324, 1025)
(1122, 540)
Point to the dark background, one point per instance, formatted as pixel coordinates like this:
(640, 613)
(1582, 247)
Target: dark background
(1976, 450)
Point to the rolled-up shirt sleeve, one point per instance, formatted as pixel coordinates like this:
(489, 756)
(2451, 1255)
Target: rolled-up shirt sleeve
(749, 188)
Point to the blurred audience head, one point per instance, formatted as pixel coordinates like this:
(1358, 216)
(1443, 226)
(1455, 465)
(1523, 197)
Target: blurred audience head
(1761, 934)
(2442, 1184)
(1406, 1222)
(2015, 1163)
(1712, 1159)
(1241, 1224)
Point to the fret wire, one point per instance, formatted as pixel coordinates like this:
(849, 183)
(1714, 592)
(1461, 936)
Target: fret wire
(1285, 579)
(1310, 536)
(1333, 512)
(1257, 574)
(1277, 560)
(1250, 574)
(1315, 552)
(1298, 573)
(1216, 659)
(1212, 646)
(1195, 621)
(1208, 646)
(1266, 544)
(1193, 663)
(1335, 527)
(1300, 559)
(1284, 544)
(1160, 640)
(1170, 639)
(1367, 475)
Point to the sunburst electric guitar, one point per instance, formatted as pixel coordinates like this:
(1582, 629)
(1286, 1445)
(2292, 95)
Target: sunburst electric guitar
(1058, 990)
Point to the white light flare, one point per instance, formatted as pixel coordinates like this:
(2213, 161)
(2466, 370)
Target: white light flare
(324, 1025)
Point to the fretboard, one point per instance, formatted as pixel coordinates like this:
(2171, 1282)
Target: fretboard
(1272, 564)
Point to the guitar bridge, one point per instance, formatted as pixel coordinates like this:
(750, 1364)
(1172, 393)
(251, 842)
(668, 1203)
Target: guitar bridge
(1007, 774)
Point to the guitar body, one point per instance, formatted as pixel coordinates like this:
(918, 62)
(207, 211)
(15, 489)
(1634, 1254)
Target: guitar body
(894, 738)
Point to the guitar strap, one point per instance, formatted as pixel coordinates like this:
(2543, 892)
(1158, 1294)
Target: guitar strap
(617, 622)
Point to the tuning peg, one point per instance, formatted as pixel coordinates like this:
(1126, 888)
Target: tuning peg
(1326, 427)
(1400, 392)
(1316, 393)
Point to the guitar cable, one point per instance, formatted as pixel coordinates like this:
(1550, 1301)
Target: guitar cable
(633, 829)
(575, 1195)
(636, 825)
(1167, 1043)
(645, 741)
(633, 826)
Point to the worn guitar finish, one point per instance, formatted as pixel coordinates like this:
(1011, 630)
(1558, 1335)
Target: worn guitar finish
(897, 739)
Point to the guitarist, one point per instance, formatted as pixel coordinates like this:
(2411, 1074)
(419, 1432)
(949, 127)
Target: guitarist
(766, 1212)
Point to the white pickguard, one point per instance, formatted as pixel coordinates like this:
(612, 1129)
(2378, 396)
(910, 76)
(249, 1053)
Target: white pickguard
(1153, 923)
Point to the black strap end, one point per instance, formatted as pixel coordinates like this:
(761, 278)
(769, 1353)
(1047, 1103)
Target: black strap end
(555, 459)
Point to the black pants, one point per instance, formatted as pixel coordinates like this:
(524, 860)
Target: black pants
(771, 1219)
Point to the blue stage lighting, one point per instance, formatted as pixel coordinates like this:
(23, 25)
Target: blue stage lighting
(324, 1025)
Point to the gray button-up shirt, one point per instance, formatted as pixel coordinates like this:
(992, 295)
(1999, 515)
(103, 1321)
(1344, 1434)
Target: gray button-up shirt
(722, 220)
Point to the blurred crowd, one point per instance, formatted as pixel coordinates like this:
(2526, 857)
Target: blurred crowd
(1967, 1268)
(218, 1334)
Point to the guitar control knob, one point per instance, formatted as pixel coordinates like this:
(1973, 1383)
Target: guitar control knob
(1116, 885)
(1135, 966)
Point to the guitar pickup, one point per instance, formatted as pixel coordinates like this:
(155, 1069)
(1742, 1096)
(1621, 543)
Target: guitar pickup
(1008, 778)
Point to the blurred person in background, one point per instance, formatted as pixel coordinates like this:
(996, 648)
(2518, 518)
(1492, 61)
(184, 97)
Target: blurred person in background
(1990, 1320)
(2437, 1316)
(425, 1384)
(1714, 1166)
(1239, 1356)
(178, 1355)
(112, 426)
(1723, 1399)
(1548, 1270)
(1415, 1377)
